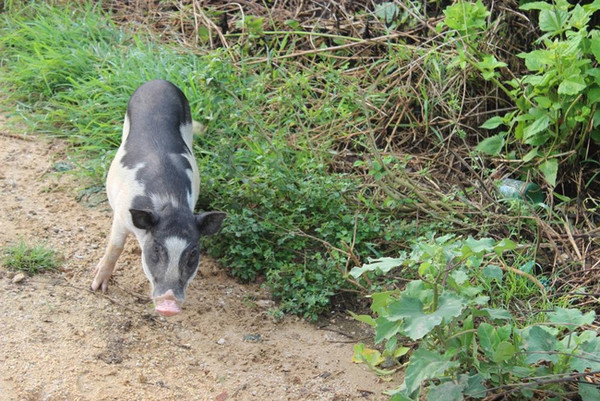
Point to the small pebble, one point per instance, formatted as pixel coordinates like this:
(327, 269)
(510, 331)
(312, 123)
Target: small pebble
(221, 341)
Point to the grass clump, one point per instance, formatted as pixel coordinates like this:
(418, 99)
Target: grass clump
(30, 259)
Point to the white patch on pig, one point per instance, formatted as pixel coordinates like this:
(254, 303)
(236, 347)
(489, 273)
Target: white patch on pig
(160, 201)
(175, 247)
(122, 186)
(126, 126)
(187, 133)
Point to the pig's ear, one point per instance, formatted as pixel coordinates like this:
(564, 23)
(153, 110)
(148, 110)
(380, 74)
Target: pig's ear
(209, 223)
(143, 219)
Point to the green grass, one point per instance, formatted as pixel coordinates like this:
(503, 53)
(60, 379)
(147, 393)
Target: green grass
(30, 259)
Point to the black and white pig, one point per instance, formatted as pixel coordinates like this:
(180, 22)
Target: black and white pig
(152, 187)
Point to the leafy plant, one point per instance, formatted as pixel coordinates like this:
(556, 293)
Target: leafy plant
(469, 345)
(31, 259)
(556, 103)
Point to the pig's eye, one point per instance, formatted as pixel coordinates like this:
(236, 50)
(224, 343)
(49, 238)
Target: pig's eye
(193, 257)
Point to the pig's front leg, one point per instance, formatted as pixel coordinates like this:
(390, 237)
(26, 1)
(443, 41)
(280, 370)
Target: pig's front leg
(106, 266)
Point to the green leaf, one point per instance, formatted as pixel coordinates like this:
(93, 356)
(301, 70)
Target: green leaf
(587, 356)
(480, 300)
(387, 11)
(520, 371)
(491, 337)
(553, 20)
(363, 318)
(543, 101)
(486, 334)
(549, 169)
(594, 73)
(370, 357)
(497, 314)
(481, 245)
(447, 391)
(381, 300)
(532, 154)
(588, 391)
(295, 25)
(382, 265)
(527, 267)
(385, 329)
(504, 351)
(571, 317)
(401, 396)
(492, 272)
(572, 85)
(425, 365)
(366, 355)
(539, 125)
(203, 33)
(592, 7)
(493, 145)
(536, 60)
(465, 16)
(579, 17)
(504, 245)
(400, 351)
(493, 122)
(459, 276)
(593, 95)
(418, 323)
(473, 385)
(595, 48)
(536, 5)
(488, 65)
(539, 345)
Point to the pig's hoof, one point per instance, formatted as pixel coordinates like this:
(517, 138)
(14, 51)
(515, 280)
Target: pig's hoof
(101, 284)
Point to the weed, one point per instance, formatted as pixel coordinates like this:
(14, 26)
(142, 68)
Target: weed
(470, 344)
(555, 117)
(31, 259)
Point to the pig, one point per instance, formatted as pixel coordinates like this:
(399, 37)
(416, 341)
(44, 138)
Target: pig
(152, 187)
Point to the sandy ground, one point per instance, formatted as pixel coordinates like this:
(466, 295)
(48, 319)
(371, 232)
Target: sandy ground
(59, 341)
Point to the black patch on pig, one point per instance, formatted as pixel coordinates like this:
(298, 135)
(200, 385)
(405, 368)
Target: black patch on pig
(156, 111)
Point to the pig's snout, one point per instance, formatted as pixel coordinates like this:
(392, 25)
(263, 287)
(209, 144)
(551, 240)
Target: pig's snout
(166, 304)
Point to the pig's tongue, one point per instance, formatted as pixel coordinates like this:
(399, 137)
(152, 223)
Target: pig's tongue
(167, 307)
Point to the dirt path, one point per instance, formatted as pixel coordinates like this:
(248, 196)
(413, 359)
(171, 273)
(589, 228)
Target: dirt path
(58, 341)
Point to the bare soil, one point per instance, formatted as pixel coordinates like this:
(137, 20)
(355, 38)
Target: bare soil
(60, 341)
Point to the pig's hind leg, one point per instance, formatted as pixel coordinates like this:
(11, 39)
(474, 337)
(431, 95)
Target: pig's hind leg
(106, 266)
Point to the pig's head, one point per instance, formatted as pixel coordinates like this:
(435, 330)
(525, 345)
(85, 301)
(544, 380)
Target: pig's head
(170, 251)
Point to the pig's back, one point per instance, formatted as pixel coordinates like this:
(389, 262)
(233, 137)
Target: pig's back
(157, 148)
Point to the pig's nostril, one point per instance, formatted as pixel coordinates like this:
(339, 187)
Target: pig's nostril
(167, 307)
